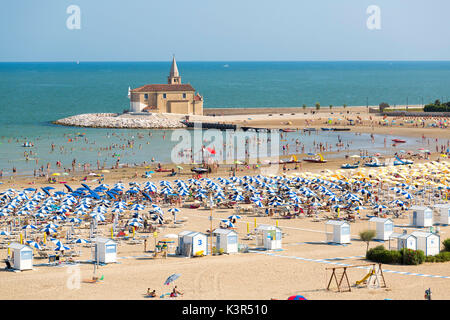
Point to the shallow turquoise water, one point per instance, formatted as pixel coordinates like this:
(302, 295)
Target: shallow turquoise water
(34, 94)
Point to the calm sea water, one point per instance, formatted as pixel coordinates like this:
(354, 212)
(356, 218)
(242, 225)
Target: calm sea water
(34, 94)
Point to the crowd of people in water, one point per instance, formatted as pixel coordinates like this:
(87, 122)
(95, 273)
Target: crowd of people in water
(109, 156)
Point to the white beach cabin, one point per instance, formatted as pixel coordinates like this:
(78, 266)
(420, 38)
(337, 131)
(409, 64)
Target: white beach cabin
(268, 237)
(340, 233)
(408, 241)
(191, 243)
(22, 256)
(421, 216)
(227, 240)
(443, 213)
(384, 227)
(428, 242)
(105, 250)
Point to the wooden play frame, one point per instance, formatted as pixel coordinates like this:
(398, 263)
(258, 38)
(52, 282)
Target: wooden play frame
(374, 271)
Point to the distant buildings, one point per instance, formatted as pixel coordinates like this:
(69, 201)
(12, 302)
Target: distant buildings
(173, 97)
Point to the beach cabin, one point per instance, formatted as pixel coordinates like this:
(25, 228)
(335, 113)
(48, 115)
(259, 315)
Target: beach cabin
(22, 256)
(227, 240)
(421, 216)
(442, 213)
(105, 250)
(192, 243)
(384, 228)
(268, 237)
(408, 241)
(340, 233)
(428, 242)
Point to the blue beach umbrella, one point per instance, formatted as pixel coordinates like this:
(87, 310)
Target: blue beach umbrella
(172, 278)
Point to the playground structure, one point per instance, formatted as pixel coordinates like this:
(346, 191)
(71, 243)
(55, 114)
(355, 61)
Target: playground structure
(373, 279)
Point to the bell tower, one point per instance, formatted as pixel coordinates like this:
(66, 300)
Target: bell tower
(174, 76)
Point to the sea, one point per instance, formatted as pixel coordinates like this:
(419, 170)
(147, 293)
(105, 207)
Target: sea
(32, 95)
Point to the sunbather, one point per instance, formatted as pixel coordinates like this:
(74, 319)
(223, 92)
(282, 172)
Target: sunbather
(151, 293)
(175, 292)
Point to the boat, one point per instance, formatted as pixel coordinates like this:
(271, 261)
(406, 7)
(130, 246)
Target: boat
(399, 141)
(288, 130)
(374, 163)
(326, 129)
(309, 129)
(163, 170)
(350, 166)
(199, 170)
(293, 159)
(340, 129)
(400, 162)
(318, 159)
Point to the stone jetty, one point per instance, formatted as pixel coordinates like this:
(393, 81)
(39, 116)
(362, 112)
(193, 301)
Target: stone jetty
(124, 121)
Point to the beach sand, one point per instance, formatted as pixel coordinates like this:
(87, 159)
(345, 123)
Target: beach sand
(238, 276)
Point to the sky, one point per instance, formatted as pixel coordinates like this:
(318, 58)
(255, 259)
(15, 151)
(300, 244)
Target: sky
(227, 30)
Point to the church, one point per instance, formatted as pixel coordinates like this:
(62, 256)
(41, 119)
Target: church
(173, 97)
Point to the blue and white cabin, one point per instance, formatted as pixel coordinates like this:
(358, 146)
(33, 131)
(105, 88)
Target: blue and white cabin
(408, 241)
(227, 240)
(269, 237)
(105, 250)
(22, 256)
(428, 242)
(442, 213)
(421, 216)
(384, 227)
(191, 243)
(340, 233)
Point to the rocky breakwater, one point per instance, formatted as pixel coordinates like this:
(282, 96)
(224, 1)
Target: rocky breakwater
(124, 121)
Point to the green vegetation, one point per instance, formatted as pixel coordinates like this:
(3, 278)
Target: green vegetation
(304, 106)
(446, 244)
(441, 257)
(404, 109)
(317, 106)
(367, 236)
(404, 256)
(345, 106)
(437, 106)
(331, 106)
(407, 256)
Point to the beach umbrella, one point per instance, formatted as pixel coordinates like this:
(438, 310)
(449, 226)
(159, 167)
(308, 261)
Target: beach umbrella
(33, 244)
(29, 227)
(174, 210)
(62, 247)
(228, 223)
(4, 233)
(234, 217)
(49, 230)
(57, 242)
(135, 224)
(79, 240)
(172, 278)
(297, 297)
(75, 220)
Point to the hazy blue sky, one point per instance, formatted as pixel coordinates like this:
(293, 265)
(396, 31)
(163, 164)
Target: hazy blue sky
(226, 30)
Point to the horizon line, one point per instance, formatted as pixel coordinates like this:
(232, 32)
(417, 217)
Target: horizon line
(109, 61)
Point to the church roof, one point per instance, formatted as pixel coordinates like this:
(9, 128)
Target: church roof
(164, 87)
(174, 69)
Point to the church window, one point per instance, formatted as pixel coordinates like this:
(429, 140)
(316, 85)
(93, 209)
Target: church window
(184, 95)
(164, 95)
(146, 96)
